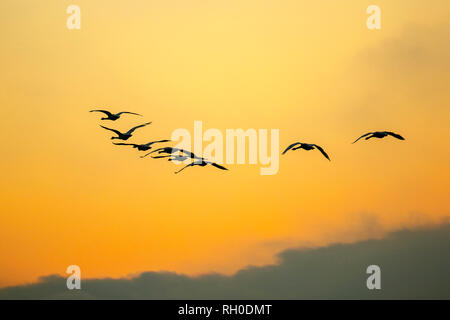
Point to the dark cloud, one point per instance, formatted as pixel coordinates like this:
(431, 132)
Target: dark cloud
(414, 265)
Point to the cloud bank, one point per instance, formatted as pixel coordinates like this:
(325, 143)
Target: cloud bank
(414, 265)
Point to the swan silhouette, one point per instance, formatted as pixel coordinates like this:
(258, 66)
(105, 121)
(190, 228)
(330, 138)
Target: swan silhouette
(114, 116)
(141, 147)
(379, 135)
(179, 157)
(202, 163)
(169, 151)
(306, 146)
(126, 135)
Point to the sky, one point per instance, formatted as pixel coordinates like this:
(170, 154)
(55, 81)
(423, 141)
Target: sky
(311, 69)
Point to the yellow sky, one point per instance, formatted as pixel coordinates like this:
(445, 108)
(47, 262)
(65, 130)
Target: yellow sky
(309, 68)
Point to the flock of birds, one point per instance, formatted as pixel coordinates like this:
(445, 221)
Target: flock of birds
(179, 155)
(367, 136)
(172, 154)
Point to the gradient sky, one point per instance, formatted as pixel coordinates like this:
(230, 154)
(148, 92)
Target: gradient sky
(309, 68)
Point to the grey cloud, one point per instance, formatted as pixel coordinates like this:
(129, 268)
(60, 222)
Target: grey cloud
(415, 264)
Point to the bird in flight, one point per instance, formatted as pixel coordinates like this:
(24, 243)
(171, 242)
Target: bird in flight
(306, 146)
(126, 135)
(179, 157)
(141, 147)
(114, 116)
(169, 151)
(202, 163)
(379, 135)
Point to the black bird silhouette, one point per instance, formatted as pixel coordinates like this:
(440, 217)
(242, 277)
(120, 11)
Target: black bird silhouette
(141, 147)
(306, 146)
(179, 157)
(379, 135)
(114, 116)
(201, 163)
(126, 135)
(169, 151)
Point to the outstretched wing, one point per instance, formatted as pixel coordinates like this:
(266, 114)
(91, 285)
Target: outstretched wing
(364, 135)
(146, 154)
(139, 126)
(158, 157)
(137, 114)
(113, 130)
(125, 144)
(158, 141)
(322, 151)
(172, 150)
(218, 166)
(189, 154)
(161, 150)
(189, 165)
(291, 146)
(104, 111)
(395, 135)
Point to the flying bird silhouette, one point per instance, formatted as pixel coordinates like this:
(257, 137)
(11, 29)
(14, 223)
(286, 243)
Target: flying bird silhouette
(126, 135)
(306, 146)
(141, 147)
(379, 135)
(170, 151)
(202, 163)
(179, 157)
(114, 116)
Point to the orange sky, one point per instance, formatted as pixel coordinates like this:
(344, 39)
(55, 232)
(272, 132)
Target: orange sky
(309, 68)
